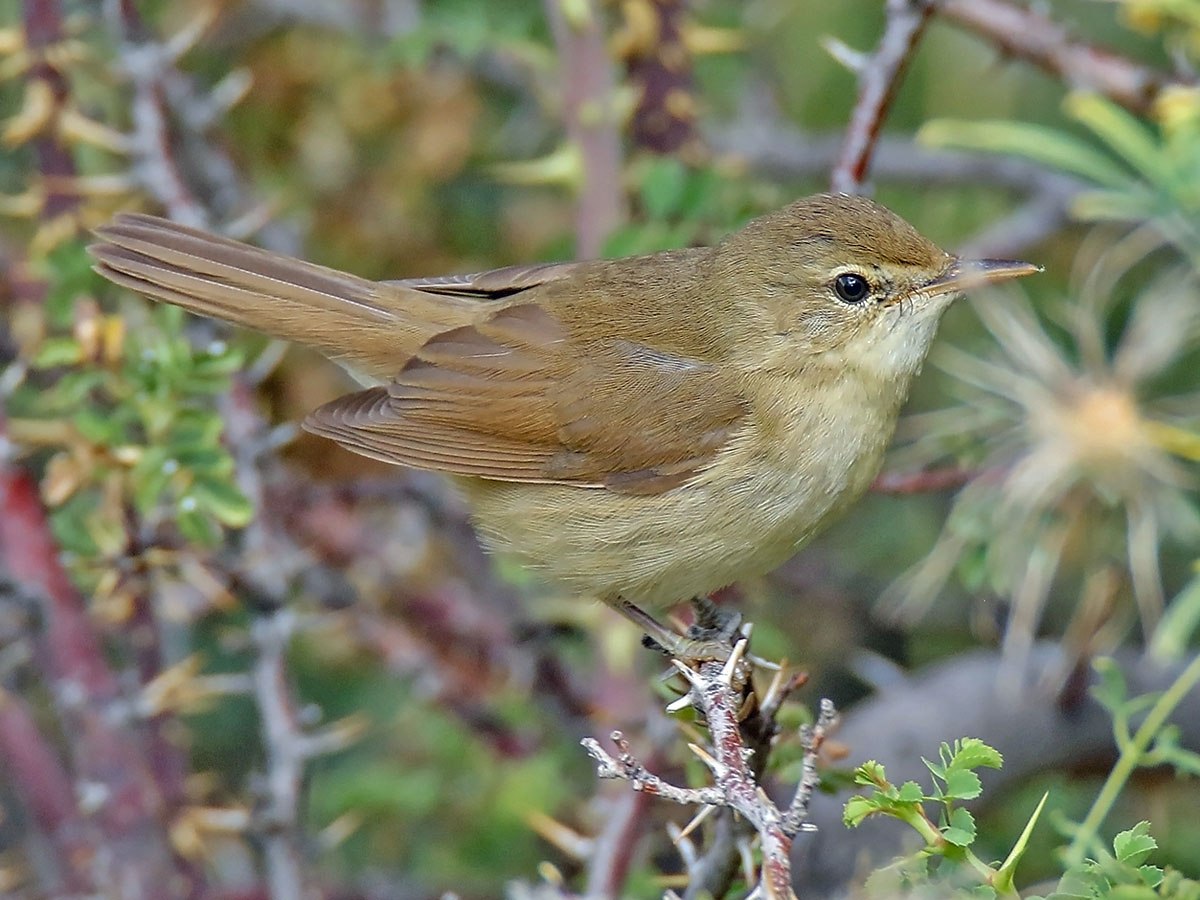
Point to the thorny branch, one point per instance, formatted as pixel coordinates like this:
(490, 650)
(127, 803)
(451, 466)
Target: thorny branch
(878, 80)
(735, 781)
(1026, 32)
(289, 748)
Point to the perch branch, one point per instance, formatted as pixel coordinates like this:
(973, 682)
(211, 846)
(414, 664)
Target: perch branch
(735, 781)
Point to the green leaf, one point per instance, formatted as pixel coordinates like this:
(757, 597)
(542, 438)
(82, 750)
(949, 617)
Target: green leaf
(961, 830)
(69, 523)
(195, 427)
(700, 193)
(935, 768)
(857, 809)
(962, 785)
(196, 526)
(870, 773)
(150, 476)
(218, 360)
(663, 186)
(1125, 134)
(910, 792)
(1110, 690)
(1151, 875)
(57, 351)
(1133, 846)
(972, 753)
(1130, 892)
(1179, 625)
(1114, 206)
(214, 462)
(1079, 882)
(100, 427)
(1045, 145)
(224, 501)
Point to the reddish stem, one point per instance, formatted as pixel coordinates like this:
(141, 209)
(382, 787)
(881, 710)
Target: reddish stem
(878, 80)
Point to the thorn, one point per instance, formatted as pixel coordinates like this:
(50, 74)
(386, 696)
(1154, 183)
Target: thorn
(697, 820)
(759, 663)
(731, 665)
(681, 704)
(774, 689)
(718, 769)
(190, 34)
(845, 55)
(749, 870)
(693, 678)
(575, 845)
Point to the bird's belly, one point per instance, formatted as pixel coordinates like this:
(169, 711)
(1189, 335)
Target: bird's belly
(742, 517)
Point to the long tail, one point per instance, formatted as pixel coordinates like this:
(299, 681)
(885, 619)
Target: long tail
(359, 322)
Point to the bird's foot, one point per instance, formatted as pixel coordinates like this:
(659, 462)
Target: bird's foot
(710, 638)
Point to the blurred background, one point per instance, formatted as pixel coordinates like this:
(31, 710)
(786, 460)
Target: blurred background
(236, 661)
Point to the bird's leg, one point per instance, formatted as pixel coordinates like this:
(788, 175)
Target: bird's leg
(710, 638)
(712, 622)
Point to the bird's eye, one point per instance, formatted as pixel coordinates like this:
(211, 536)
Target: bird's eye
(851, 288)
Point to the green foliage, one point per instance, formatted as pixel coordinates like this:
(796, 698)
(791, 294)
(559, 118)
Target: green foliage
(1125, 874)
(680, 206)
(1155, 742)
(1140, 173)
(470, 29)
(132, 400)
(949, 834)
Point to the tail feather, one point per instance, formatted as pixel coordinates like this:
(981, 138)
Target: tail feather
(353, 320)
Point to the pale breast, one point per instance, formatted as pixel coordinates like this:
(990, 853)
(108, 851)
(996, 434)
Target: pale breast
(763, 498)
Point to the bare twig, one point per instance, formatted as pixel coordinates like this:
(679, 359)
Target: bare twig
(928, 481)
(289, 747)
(612, 850)
(1025, 32)
(155, 165)
(174, 159)
(735, 781)
(796, 817)
(588, 98)
(878, 79)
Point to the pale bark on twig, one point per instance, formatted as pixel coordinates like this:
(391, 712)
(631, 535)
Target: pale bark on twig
(1026, 32)
(879, 78)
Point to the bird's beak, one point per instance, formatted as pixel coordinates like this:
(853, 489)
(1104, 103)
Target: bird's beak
(964, 274)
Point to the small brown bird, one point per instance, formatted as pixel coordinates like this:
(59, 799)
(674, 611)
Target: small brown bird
(642, 430)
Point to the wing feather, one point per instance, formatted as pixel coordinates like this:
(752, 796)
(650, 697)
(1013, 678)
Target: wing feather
(517, 398)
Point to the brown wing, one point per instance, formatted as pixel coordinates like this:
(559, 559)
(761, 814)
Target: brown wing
(517, 398)
(493, 284)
